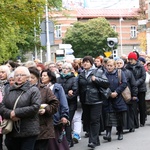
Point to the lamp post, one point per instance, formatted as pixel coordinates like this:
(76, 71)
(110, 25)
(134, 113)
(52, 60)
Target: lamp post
(47, 34)
(120, 20)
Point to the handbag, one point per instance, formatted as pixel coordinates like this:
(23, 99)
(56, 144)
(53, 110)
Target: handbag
(7, 124)
(126, 94)
(104, 92)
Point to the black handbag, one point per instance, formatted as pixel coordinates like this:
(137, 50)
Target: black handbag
(105, 93)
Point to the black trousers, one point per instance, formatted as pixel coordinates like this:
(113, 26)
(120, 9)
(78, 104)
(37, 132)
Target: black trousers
(20, 143)
(41, 144)
(142, 107)
(68, 127)
(91, 118)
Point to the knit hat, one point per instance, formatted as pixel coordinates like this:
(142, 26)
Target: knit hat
(142, 59)
(132, 55)
(88, 58)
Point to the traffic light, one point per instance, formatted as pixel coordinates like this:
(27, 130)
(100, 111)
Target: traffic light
(111, 42)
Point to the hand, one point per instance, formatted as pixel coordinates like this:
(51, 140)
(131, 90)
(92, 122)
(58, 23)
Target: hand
(93, 78)
(114, 94)
(64, 120)
(41, 111)
(15, 118)
(12, 114)
(70, 93)
(134, 98)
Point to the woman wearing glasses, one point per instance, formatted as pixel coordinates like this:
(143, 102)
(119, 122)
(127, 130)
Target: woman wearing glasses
(25, 116)
(70, 85)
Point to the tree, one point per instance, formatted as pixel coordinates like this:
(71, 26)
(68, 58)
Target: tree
(89, 38)
(17, 21)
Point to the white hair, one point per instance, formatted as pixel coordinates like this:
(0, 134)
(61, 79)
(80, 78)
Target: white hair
(5, 68)
(22, 68)
(67, 64)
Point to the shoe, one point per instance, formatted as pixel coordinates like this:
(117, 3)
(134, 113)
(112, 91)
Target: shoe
(91, 145)
(76, 138)
(120, 136)
(131, 130)
(108, 138)
(86, 135)
(141, 125)
(70, 144)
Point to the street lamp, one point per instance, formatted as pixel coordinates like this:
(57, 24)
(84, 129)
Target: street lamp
(120, 20)
(47, 34)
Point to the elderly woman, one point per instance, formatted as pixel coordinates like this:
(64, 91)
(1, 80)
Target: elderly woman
(114, 107)
(25, 116)
(48, 107)
(132, 114)
(61, 117)
(4, 73)
(70, 85)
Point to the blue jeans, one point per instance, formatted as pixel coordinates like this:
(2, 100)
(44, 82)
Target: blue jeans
(20, 143)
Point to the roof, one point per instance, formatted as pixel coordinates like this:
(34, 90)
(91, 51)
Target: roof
(107, 13)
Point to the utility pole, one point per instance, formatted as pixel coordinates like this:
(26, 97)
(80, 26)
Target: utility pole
(47, 34)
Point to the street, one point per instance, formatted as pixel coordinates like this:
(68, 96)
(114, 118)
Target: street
(138, 140)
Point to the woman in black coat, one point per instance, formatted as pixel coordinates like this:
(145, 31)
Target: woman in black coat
(132, 114)
(89, 82)
(139, 73)
(69, 83)
(114, 107)
(25, 116)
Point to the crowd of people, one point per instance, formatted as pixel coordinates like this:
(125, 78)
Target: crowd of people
(59, 100)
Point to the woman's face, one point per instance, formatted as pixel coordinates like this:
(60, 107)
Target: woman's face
(97, 62)
(11, 81)
(3, 74)
(110, 66)
(33, 79)
(86, 65)
(119, 64)
(45, 78)
(66, 70)
(20, 77)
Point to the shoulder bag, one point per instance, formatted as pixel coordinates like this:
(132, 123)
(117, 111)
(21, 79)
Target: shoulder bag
(7, 124)
(126, 94)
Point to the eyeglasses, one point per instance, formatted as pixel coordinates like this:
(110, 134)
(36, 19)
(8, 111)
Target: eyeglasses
(66, 68)
(21, 75)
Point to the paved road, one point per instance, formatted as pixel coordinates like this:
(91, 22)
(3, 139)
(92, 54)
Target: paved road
(138, 140)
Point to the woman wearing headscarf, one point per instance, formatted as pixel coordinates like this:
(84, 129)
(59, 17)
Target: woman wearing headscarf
(89, 80)
(48, 108)
(132, 114)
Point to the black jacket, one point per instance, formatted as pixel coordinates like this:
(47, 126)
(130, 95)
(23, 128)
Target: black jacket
(26, 109)
(69, 82)
(131, 82)
(139, 74)
(88, 89)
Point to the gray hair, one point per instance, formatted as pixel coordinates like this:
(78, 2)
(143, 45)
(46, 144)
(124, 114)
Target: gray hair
(23, 68)
(69, 65)
(30, 64)
(5, 68)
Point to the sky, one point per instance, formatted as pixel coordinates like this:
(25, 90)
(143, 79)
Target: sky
(107, 4)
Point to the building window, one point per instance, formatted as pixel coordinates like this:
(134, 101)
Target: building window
(114, 27)
(58, 32)
(133, 32)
